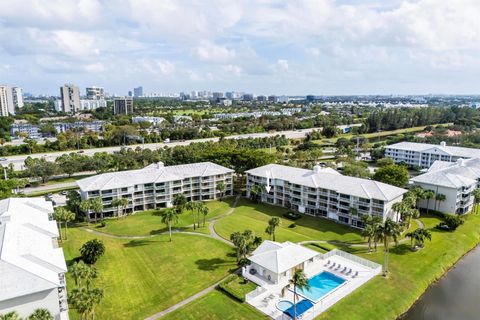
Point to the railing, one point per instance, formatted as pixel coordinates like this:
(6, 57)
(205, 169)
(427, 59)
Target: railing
(346, 255)
(255, 293)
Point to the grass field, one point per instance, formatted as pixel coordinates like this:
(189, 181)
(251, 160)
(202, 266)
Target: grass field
(67, 179)
(143, 276)
(411, 274)
(216, 306)
(53, 190)
(255, 217)
(149, 222)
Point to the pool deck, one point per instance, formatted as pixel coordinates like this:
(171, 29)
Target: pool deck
(267, 296)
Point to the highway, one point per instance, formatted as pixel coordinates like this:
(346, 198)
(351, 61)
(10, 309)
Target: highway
(19, 161)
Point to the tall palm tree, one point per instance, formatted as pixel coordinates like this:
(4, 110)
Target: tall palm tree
(418, 237)
(429, 194)
(40, 314)
(256, 192)
(67, 217)
(58, 215)
(204, 211)
(439, 198)
(169, 216)
(192, 206)
(179, 202)
(299, 281)
(370, 230)
(476, 198)
(221, 188)
(389, 230)
(273, 223)
(116, 203)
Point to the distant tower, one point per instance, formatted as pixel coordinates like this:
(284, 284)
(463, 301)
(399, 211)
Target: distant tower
(95, 93)
(70, 98)
(6, 101)
(138, 92)
(123, 105)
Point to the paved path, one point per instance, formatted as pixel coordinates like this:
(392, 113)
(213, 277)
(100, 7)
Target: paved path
(211, 226)
(55, 186)
(115, 236)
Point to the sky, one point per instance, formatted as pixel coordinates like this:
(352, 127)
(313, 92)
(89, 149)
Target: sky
(294, 47)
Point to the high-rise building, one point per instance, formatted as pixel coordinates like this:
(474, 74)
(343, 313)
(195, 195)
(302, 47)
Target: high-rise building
(123, 105)
(6, 101)
(138, 92)
(95, 93)
(17, 95)
(70, 98)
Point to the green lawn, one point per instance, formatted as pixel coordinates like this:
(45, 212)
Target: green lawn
(143, 276)
(249, 215)
(411, 274)
(67, 179)
(149, 222)
(216, 306)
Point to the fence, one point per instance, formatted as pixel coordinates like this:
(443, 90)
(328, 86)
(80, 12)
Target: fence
(359, 260)
(255, 293)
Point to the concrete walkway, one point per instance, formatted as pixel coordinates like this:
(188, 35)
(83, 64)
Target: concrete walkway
(211, 226)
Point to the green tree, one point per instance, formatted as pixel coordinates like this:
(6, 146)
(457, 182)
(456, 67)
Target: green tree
(83, 274)
(298, 281)
(388, 231)
(204, 212)
(179, 202)
(62, 214)
(12, 315)
(40, 314)
(73, 200)
(120, 203)
(221, 188)
(395, 175)
(92, 250)
(8, 186)
(418, 237)
(356, 169)
(256, 192)
(476, 199)
(429, 194)
(438, 199)
(273, 223)
(169, 216)
(244, 243)
(371, 228)
(84, 300)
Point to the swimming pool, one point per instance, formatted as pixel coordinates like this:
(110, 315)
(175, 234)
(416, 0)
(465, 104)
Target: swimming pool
(320, 285)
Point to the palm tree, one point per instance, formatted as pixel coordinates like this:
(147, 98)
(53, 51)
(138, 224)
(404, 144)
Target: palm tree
(255, 192)
(429, 194)
(299, 280)
(40, 314)
(97, 206)
(204, 211)
(270, 230)
(273, 223)
(476, 197)
(85, 206)
(179, 202)
(84, 300)
(12, 315)
(240, 242)
(192, 206)
(221, 188)
(120, 203)
(83, 274)
(439, 198)
(370, 230)
(389, 230)
(418, 237)
(169, 216)
(399, 208)
(67, 217)
(58, 214)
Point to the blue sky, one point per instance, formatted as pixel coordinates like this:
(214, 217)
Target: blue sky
(264, 47)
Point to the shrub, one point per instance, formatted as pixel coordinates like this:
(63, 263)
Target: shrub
(103, 224)
(292, 215)
(453, 221)
(293, 225)
(92, 250)
(236, 286)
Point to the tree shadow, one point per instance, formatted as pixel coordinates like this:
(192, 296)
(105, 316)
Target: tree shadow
(158, 231)
(401, 249)
(138, 243)
(212, 264)
(70, 262)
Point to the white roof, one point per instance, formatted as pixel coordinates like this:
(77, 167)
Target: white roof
(331, 180)
(434, 148)
(151, 174)
(462, 173)
(280, 257)
(29, 261)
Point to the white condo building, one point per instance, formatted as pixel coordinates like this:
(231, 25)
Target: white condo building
(324, 192)
(455, 180)
(17, 95)
(7, 106)
(32, 266)
(424, 154)
(155, 186)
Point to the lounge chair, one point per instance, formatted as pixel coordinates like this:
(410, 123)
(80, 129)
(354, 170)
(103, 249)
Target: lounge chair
(328, 262)
(349, 271)
(333, 265)
(338, 267)
(344, 269)
(355, 275)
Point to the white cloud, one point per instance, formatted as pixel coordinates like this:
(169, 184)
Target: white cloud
(213, 53)
(233, 69)
(283, 64)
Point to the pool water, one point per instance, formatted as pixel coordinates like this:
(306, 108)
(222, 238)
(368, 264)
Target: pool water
(284, 305)
(320, 285)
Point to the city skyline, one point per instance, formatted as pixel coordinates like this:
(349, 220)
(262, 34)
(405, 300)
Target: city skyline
(264, 47)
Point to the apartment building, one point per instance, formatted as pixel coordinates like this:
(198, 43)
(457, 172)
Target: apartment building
(17, 96)
(424, 155)
(123, 105)
(32, 266)
(34, 132)
(455, 180)
(92, 104)
(156, 185)
(7, 106)
(325, 193)
(95, 93)
(70, 98)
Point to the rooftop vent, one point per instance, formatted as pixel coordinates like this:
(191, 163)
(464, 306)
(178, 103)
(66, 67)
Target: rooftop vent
(461, 162)
(443, 144)
(317, 168)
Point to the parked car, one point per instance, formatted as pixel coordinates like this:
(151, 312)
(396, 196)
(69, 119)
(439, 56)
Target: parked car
(3, 159)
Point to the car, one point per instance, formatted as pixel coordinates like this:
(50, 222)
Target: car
(80, 151)
(3, 159)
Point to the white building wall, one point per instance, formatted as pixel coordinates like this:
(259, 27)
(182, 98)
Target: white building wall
(25, 305)
(447, 206)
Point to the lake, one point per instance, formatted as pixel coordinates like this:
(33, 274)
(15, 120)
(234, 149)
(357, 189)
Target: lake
(456, 296)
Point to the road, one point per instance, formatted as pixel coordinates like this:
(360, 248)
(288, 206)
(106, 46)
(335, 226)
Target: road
(18, 161)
